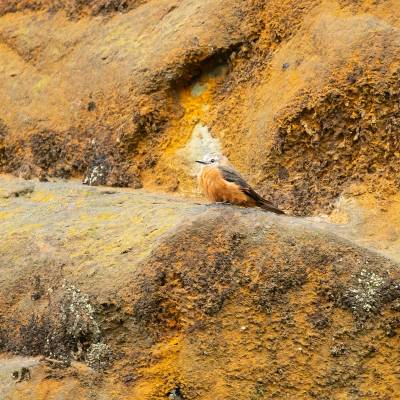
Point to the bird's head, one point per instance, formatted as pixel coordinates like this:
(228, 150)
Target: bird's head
(214, 160)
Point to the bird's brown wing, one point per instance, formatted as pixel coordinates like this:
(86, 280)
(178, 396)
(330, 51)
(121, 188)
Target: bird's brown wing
(233, 176)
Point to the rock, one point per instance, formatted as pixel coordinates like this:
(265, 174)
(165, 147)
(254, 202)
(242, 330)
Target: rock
(15, 373)
(337, 90)
(16, 188)
(130, 294)
(101, 88)
(172, 310)
(302, 97)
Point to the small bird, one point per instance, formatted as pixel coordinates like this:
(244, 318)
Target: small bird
(220, 182)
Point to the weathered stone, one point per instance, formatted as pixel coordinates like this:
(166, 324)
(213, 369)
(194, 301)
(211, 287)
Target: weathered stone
(128, 294)
(301, 96)
(218, 301)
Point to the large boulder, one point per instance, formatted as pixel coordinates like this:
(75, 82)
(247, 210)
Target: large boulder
(116, 294)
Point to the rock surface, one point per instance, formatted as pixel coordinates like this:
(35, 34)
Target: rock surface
(128, 294)
(110, 293)
(302, 96)
(64, 120)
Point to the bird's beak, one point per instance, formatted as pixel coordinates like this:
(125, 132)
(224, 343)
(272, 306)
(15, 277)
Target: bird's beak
(201, 162)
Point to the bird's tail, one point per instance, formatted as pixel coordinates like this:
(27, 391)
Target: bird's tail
(266, 205)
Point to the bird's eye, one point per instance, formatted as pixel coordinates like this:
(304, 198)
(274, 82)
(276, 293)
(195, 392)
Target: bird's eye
(212, 161)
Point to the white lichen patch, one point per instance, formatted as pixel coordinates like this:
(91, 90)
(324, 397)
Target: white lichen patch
(99, 356)
(200, 143)
(365, 296)
(78, 315)
(97, 175)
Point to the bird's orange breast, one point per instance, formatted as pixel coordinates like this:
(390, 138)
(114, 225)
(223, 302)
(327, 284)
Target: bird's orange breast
(217, 189)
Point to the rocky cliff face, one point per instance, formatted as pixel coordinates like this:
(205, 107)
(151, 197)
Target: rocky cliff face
(132, 295)
(119, 293)
(302, 97)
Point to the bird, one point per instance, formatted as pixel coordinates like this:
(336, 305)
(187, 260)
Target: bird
(221, 183)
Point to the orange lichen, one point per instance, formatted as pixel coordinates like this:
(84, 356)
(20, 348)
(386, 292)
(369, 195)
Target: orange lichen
(196, 101)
